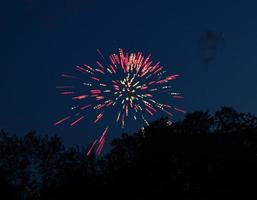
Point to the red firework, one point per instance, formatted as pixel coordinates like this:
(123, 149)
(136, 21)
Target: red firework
(129, 82)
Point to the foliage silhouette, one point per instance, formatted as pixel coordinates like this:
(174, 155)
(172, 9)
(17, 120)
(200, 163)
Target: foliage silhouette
(203, 156)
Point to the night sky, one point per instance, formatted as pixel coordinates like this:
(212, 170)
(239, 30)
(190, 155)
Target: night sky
(40, 39)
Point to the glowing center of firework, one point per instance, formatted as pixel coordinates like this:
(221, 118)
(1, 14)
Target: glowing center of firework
(128, 91)
(128, 88)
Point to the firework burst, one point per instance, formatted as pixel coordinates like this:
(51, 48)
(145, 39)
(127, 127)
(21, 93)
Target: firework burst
(126, 85)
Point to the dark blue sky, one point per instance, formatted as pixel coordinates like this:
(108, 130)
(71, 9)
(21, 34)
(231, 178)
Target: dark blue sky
(40, 39)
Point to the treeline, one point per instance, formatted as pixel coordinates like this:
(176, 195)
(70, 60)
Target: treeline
(203, 156)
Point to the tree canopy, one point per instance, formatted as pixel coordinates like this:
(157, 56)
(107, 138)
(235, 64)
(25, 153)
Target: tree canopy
(203, 156)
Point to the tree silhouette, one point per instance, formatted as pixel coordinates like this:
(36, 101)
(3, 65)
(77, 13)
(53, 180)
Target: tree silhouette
(204, 156)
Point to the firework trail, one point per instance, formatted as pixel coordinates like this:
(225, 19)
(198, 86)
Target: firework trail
(125, 84)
